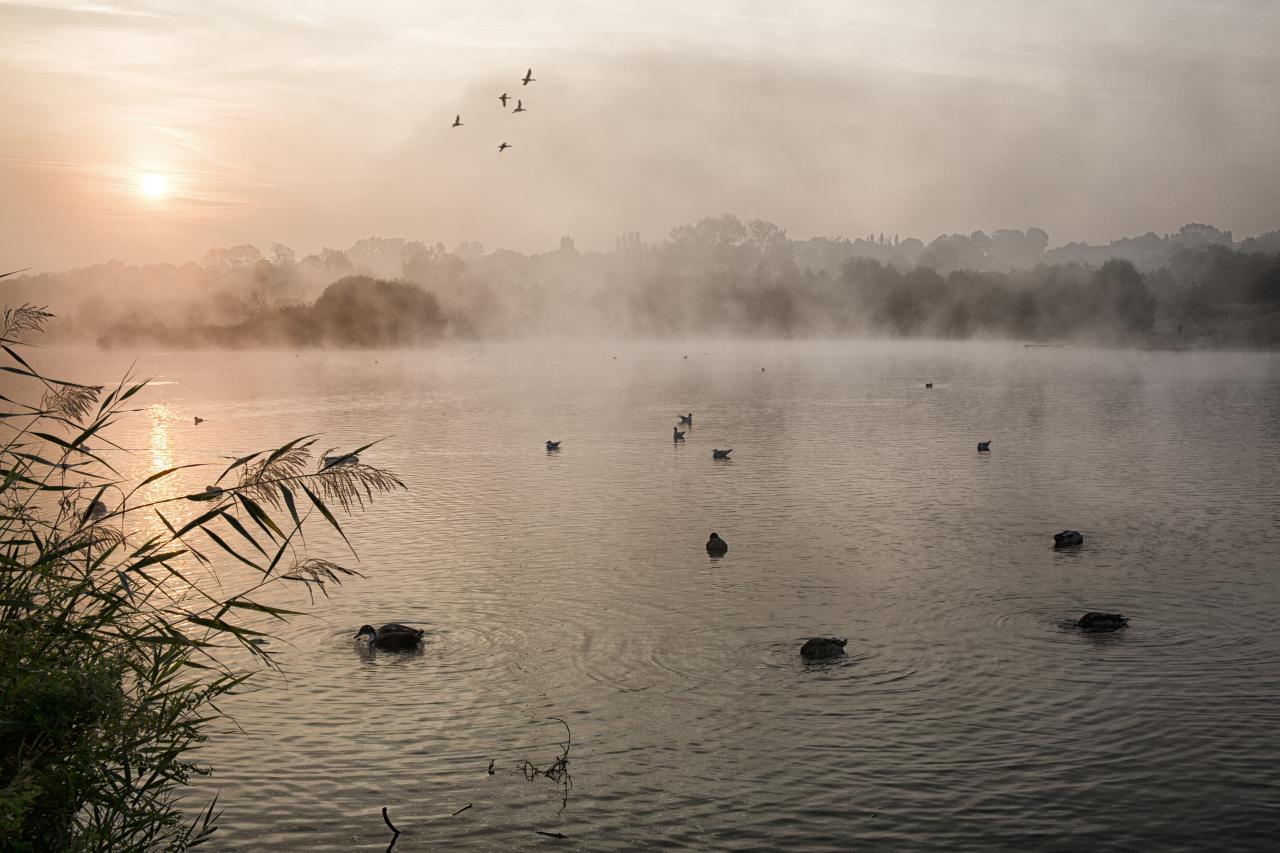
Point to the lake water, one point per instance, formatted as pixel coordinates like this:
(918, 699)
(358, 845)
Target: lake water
(967, 715)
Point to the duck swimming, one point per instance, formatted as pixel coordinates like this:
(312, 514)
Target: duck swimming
(687, 419)
(391, 636)
(984, 446)
(721, 454)
(1102, 622)
(553, 445)
(209, 493)
(346, 459)
(1067, 537)
(928, 384)
(676, 434)
(716, 545)
(821, 648)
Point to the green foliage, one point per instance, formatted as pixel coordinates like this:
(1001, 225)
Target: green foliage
(114, 642)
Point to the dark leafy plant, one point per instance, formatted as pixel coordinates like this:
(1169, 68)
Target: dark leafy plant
(115, 643)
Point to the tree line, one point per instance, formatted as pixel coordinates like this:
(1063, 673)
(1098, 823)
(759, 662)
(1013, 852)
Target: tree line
(719, 275)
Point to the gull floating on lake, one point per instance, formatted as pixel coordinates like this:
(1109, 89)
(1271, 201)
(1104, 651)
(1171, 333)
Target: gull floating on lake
(345, 459)
(721, 454)
(984, 446)
(209, 493)
(687, 419)
(553, 445)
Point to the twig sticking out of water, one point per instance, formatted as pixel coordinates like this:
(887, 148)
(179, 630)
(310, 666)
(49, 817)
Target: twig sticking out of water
(461, 810)
(491, 766)
(557, 771)
(551, 834)
(388, 822)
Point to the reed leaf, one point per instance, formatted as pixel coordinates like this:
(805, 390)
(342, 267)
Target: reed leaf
(113, 653)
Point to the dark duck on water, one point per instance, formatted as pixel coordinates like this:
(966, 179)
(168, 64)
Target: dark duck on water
(391, 636)
(822, 648)
(1102, 622)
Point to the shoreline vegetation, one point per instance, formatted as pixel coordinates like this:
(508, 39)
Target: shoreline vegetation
(121, 625)
(1198, 288)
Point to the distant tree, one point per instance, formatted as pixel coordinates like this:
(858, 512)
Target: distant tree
(1122, 293)
(364, 311)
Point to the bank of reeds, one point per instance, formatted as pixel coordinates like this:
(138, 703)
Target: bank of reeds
(116, 632)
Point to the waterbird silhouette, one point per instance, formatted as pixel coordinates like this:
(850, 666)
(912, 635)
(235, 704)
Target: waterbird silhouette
(504, 97)
(716, 545)
(1102, 622)
(721, 454)
(503, 147)
(528, 78)
(1067, 538)
(344, 459)
(984, 446)
(209, 493)
(687, 419)
(553, 445)
(677, 434)
(928, 384)
(391, 636)
(199, 420)
(519, 106)
(819, 648)
(457, 121)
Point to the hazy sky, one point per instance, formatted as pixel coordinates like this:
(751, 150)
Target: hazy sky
(317, 123)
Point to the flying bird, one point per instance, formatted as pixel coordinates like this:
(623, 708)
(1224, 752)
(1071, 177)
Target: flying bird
(503, 147)
(519, 107)
(528, 78)
(504, 97)
(457, 121)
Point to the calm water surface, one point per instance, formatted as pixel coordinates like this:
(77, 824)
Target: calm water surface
(966, 716)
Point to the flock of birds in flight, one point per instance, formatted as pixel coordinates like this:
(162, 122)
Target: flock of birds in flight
(504, 97)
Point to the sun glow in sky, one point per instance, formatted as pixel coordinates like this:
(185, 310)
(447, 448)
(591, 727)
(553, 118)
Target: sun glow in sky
(153, 185)
(330, 122)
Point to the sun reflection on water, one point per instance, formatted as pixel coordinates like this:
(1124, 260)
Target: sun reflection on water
(161, 451)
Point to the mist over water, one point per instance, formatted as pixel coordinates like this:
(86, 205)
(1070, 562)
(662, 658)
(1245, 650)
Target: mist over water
(857, 241)
(1199, 288)
(966, 716)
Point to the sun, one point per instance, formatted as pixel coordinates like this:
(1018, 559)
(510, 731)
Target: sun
(153, 185)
